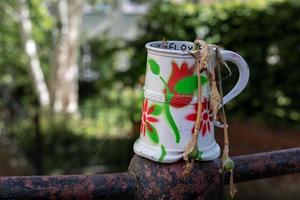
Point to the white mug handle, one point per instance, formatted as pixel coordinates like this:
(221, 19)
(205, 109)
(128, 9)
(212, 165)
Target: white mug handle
(243, 76)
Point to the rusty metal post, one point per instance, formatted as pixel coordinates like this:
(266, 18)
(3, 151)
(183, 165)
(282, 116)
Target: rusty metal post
(166, 181)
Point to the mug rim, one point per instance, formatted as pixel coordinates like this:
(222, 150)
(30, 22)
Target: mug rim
(169, 51)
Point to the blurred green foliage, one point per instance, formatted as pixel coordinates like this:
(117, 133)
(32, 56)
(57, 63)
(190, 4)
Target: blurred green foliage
(105, 118)
(16, 87)
(63, 148)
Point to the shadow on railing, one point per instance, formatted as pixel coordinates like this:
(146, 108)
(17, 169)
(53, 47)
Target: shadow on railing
(146, 179)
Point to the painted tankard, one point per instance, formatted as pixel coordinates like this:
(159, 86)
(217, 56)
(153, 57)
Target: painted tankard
(170, 103)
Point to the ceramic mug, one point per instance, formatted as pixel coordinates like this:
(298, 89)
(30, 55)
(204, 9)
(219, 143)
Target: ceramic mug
(170, 103)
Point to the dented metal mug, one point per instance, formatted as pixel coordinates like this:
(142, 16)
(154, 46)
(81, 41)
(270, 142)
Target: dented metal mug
(170, 103)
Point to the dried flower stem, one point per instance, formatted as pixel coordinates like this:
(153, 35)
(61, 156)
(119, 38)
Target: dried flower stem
(225, 157)
(201, 62)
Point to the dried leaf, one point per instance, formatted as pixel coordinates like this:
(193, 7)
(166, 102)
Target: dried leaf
(232, 187)
(215, 99)
(188, 167)
(220, 59)
(190, 147)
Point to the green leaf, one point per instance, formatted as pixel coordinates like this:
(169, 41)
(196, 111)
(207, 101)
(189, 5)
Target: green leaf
(188, 84)
(163, 152)
(195, 153)
(154, 66)
(153, 134)
(171, 121)
(157, 110)
(199, 156)
(228, 164)
(168, 113)
(169, 94)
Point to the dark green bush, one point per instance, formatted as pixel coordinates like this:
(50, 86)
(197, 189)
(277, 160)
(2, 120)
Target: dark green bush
(60, 149)
(265, 33)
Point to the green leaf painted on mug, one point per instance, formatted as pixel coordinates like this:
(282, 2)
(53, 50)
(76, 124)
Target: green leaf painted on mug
(188, 84)
(167, 112)
(152, 133)
(154, 66)
(163, 153)
(157, 110)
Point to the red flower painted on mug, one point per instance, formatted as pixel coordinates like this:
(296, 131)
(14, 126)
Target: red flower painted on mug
(177, 75)
(207, 117)
(146, 118)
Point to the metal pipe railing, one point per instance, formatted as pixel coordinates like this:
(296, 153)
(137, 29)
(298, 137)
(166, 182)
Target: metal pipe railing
(146, 179)
(107, 186)
(267, 164)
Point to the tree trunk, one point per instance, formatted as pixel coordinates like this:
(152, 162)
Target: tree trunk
(65, 82)
(31, 51)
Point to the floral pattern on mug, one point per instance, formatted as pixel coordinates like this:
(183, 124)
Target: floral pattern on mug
(177, 75)
(148, 118)
(206, 118)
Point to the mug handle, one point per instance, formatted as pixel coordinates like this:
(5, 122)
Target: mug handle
(243, 77)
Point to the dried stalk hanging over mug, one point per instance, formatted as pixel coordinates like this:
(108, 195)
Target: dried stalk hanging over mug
(201, 55)
(227, 162)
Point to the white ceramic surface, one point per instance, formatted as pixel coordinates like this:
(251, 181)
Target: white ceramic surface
(169, 108)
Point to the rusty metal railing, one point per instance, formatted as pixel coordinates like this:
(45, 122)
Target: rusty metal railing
(150, 180)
